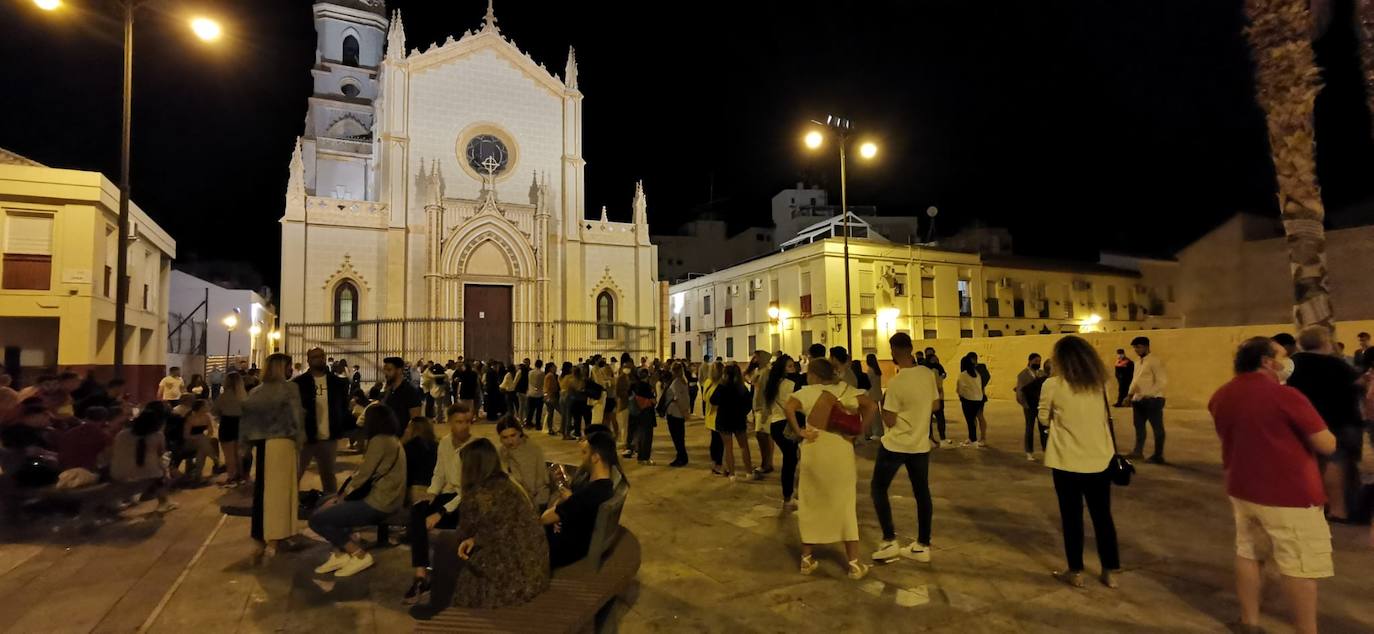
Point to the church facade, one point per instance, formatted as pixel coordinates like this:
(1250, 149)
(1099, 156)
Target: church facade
(435, 206)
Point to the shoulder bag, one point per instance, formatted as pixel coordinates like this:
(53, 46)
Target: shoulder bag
(1120, 469)
(843, 422)
(365, 488)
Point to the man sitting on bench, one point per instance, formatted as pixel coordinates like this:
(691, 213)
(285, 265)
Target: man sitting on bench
(570, 522)
(441, 511)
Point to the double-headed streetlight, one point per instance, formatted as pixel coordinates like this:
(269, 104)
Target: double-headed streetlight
(207, 30)
(842, 129)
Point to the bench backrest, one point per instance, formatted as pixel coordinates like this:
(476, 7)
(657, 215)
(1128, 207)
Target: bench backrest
(607, 528)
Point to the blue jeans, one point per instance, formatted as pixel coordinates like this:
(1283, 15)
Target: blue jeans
(337, 522)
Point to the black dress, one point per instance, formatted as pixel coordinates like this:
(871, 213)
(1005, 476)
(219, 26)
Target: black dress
(732, 403)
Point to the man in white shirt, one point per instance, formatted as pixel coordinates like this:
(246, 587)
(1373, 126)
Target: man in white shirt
(441, 510)
(534, 397)
(324, 397)
(1147, 399)
(907, 405)
(169, 389)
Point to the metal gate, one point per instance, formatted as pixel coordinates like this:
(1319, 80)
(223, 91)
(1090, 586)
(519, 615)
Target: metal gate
(366, 343)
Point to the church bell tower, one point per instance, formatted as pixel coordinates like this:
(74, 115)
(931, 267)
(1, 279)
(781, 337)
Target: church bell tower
(337, 147)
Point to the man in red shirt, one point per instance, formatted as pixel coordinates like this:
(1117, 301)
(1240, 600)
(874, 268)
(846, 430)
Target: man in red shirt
(1269, 433)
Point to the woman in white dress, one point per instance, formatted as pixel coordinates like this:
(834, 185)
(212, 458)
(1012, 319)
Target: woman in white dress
(828, 512)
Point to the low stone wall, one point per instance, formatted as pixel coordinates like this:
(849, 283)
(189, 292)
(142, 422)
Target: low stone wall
(1196, 360)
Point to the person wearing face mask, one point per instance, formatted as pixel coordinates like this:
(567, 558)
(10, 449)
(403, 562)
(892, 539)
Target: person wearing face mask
(1125, 367)
(1027, 376)
(1329, 383)
(1270, 438)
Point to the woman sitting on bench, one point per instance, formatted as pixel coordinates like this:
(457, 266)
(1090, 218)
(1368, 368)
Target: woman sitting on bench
(506, 558)
(376, 490)
(136, 457)
(570, 522)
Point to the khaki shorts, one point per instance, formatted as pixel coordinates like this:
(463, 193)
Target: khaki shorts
(1297, 540)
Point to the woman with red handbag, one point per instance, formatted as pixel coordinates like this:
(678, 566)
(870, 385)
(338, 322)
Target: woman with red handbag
(828, 513)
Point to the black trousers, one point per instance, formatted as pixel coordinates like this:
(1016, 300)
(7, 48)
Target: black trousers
(677, 430)
(939, 417)
(791, 457)
(1149, 410)
(971, 409)
(259, 458)
(644, 443)
(419, 535)
(1031, 426)
(918, 471)
(1123, 385)
(1073, 489)
(535, 407)
(717, 448)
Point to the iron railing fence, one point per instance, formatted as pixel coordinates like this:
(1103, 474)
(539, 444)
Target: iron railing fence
(365, 343)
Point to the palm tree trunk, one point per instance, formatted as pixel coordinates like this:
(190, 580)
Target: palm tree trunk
(1286, 84)
(1364, 27)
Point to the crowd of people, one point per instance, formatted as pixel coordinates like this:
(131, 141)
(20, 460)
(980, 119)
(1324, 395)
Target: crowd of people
(1292, 424)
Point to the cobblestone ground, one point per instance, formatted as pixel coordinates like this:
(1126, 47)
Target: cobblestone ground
(721, 557)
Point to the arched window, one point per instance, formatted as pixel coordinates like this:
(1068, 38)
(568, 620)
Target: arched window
(346, 311)
(350, 51)
(605, 316)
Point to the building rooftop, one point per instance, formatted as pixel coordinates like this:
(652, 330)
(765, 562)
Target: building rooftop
(1046, 264)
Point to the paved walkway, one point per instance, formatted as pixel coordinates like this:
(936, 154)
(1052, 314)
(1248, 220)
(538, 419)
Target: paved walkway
(721, 557)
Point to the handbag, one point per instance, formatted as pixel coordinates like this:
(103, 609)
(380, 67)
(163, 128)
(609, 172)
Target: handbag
(1119, 469)
(843, 422)
(365, 488)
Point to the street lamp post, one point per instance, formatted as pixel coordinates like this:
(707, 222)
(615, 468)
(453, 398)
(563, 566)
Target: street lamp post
(842, 128)
(208, 30)
(230, 321)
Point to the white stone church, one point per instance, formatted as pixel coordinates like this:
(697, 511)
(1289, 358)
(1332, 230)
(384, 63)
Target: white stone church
(435, 206)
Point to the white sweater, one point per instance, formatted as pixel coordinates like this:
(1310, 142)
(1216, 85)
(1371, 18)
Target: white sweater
(1079, 440)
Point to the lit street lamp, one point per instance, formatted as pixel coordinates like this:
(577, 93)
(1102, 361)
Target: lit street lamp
(842, 129)
(206, 29)
(230, 321)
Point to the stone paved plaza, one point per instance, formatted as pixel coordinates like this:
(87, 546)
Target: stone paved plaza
(720, 557)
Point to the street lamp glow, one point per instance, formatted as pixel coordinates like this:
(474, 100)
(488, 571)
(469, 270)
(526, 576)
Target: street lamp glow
(814, 139)
(231, 321)
(1093, 319)
(204, 28)
(274, 335)
(48, 5)
(887, 317)
(255, 330)
(868, 150)
(773, 312)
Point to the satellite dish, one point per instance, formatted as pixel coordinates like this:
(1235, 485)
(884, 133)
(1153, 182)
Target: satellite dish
(932, 211)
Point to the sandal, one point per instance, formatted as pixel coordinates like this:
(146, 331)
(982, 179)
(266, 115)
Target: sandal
(808, 564)
(1071, 577)
(858, 569)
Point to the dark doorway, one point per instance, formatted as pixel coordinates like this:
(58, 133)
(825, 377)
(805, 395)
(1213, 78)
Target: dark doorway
(487, 322)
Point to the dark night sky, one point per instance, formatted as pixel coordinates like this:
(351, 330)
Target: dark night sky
(1128, 122)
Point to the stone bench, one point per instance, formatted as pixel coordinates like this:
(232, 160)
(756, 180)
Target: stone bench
(577, 593)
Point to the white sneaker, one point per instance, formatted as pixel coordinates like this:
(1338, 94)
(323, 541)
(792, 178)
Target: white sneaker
(1030, 457)
(947, 443)
(965, 444)
(354, 565)
(981, 445)
(336, 561)
(917, 552)
(168, 507)
(887, 551)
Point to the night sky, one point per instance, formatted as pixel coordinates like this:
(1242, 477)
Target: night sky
(1127, 123)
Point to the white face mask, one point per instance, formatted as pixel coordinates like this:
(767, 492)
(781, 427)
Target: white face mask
(1285, 371)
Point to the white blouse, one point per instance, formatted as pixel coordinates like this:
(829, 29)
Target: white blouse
(969, 388)
(1079, 440)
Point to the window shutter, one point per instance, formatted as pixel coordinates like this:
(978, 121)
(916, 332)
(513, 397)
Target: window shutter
(28, 234)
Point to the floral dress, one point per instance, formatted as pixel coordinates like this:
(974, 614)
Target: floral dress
(510, 562)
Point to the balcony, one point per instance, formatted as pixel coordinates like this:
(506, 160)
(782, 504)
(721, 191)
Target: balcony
(805, 305)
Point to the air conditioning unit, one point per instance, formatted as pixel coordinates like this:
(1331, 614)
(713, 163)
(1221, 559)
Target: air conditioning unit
(758, 283)
(734, 289)
(1004, 282)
